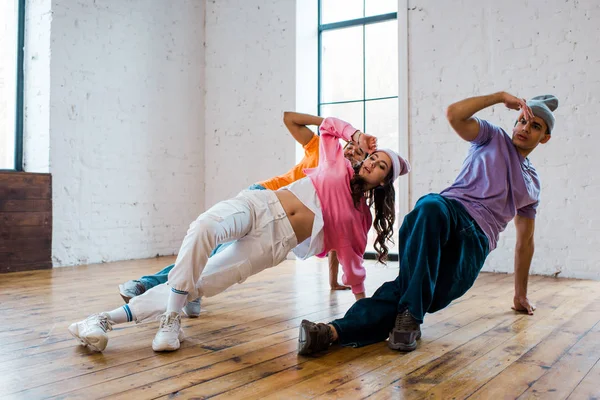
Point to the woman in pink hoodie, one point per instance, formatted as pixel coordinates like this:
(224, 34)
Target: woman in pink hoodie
(327, 210)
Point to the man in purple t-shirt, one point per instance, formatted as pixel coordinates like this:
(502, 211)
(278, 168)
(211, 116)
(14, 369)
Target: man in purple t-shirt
(445, 240)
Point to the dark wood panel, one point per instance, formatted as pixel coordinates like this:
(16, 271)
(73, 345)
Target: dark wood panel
(24, 178)
(25, 219)
(24, 205)
(23, 185)
(25, 192)
(20, 267)
(26, 256)
(25, 244)
(19, 232)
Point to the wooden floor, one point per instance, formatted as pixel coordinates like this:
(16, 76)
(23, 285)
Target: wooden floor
(243, 346)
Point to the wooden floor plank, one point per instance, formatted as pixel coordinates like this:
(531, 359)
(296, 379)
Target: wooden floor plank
(564, 376)
(483, 316)
(336, 377)
(241, 376)
(244, 343)
(589, 387)
(520, 375)
(331, 304)
(423, 382)
(476, 374)
(143, 351)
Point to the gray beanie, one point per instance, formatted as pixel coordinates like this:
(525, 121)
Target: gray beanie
(542, 106)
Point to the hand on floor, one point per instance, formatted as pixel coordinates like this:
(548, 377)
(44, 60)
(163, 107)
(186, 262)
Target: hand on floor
(522, 304)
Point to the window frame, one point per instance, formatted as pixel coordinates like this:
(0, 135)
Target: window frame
(19, 94)
(364, 21)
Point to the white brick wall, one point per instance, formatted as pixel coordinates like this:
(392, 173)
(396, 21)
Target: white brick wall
(463, 48)
(250, 80)
(126, 127)
(129, 164)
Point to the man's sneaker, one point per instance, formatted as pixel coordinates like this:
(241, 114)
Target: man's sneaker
(314, 338)
(192, 308)
(92, 331)
(405, 334)
(130, 289)
(169, 333)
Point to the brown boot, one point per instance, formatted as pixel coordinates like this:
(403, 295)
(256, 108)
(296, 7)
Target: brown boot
(405, 334)
(314, 338)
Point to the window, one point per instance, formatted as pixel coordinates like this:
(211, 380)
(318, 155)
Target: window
(358, 71)
(12, 18)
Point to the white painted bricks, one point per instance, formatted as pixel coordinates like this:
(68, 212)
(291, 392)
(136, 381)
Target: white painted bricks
(126, 127)
(470, 47)
(133, 167)
(250, 81)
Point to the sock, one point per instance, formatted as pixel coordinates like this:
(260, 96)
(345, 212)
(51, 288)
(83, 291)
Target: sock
(333, 334)
(121, 315)
(177, 300)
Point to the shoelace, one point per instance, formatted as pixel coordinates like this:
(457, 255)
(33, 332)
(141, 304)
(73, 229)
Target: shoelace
(167, 323)
(405, 322)
(104, 324)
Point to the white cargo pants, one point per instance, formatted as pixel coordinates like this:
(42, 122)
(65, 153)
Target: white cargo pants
(263, 237)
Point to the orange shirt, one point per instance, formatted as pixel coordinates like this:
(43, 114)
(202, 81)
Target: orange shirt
(310, 160)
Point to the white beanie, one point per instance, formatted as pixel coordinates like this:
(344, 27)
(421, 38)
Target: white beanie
(400, 166)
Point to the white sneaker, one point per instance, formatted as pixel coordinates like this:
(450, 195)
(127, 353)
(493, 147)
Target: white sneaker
(169, 333)
(92, 331)
(192, 308)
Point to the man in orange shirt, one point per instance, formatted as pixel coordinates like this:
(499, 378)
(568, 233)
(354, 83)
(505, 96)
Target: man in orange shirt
(310, 143)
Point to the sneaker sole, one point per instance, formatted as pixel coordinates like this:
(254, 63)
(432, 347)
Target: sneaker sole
(304, 340)
(121, 292)
(403, 346)
(84, 342)
(166, 346)
(172, 346)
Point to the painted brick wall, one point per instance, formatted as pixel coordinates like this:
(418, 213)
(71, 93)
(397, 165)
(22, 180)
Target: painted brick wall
(463, 48)
(456, 49)
(250, 81)
(126, 127)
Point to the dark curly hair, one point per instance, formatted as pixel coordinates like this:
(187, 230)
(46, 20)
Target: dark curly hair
(384, 200)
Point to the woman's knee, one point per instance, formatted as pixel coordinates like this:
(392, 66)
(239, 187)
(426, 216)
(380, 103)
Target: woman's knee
(206, 226)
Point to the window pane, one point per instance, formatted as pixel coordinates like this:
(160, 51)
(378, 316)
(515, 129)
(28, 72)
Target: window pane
(342, 65)
(8, 75)
(341, 10)
(349, 112)
(381, 43)
(376, 7)
(382, 122)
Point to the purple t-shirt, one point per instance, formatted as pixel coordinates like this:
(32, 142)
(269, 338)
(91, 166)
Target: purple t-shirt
(495, 182)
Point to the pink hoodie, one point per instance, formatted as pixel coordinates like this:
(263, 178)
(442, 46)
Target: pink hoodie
(345, 226)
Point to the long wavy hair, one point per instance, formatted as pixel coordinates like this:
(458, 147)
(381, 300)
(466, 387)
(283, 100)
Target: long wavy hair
(383, 198)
